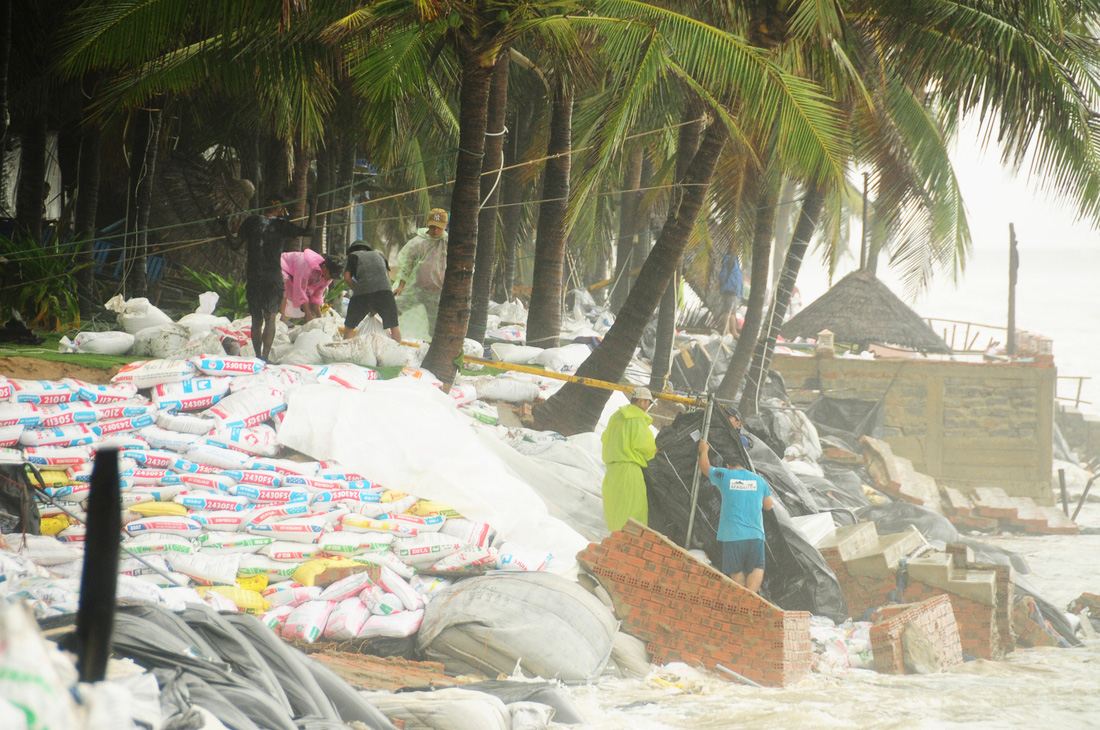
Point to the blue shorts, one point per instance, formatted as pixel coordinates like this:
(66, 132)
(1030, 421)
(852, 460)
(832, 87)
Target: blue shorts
(742, 556)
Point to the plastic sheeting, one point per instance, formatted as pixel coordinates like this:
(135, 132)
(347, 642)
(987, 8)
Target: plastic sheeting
(845, 420)
(796, 578)
(408, 436)
(895, 517)
(542, 623)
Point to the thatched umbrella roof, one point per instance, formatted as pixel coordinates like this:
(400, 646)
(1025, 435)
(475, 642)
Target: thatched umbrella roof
(862, 310)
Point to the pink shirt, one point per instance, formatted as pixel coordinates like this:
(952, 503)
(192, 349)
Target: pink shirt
(303, 278)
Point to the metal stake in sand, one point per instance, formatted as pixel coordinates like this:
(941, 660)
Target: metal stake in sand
(95, 619)
(695, 477)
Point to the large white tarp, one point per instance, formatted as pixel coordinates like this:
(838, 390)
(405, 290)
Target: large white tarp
(406, 435)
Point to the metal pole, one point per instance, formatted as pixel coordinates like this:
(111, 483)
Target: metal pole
(863, 233)
(1081, 502)
(695, 477)
(1013, 265)
(98, 582)
(1062, 484)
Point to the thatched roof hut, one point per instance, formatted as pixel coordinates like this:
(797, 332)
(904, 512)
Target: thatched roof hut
(862, 310)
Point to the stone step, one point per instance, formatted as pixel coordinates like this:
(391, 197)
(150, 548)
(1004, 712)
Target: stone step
(848, 541)
(937, 570)
(880, 559)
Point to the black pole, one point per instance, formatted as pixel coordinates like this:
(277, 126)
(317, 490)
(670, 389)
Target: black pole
(1062, 484)
(96, 617)
(1013, 265)
(863, 252)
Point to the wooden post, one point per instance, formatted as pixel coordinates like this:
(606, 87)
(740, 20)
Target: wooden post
(1013, 265)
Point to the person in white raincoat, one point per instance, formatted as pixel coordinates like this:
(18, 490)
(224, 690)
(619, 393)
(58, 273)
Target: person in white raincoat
(421, 265)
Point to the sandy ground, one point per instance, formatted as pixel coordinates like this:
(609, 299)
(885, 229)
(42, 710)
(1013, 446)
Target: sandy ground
(34, 369)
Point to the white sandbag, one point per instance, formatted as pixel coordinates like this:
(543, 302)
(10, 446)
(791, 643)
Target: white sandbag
(232, 542)
(348, 587)
(248, 407)
(277, 513)
(20, 414)
(41, 392)
(275, 570)
(271, 377)
(395, 626)
(228, 365)
(121, 425)
(136, 314)
(463, 394)
(189, 395)
(202, 453)
(268, 479)
(346, 375)
(258, 440)
(158, 542)
(207, 568)
(153, 458)
(151, 493)
(398, 586)
(124, 409)
(53, 456)
(97, 393)
(514, 354)
(76, 435)
(221, 519)
(202, 323)
(386, 559)
(307, 622)
(161, 340)
(391, 354)
(425, 376)
(481, 411)
(290, 594)
(508, 388)
(470, 558)
(426, 548)
(306, 349)
(429, 523)
(270, 495)
(211, 501)
(171, 440)
(140, 475)
(299, 530)
(276, 617)
(34, 686)
(564, 359)
(5, 389)
(168, 525)
(147, 373)
(356, 350)
(66, 414)
(511, 556)
(216, 483)
(9, 435)
(334, 496)
(45, 550)
(100, 343)
(346, 544)
(469, 532)
(512, 312)
(358, 523)
(346, 620)
(185, 423)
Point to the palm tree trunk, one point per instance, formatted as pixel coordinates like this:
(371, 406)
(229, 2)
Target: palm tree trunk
(491, 176)
(339, 229)
(454, 299)
(630, 200)
(758, 294)
(511, 215)
(576, 408)
(32, 174)
(300, 183)
(143, 169)
(666, 317)
(544, 320)
(792, 263)
(87, 205)
(5, 54)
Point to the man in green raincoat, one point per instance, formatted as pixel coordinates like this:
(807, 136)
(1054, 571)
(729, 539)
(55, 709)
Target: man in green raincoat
(628, 445)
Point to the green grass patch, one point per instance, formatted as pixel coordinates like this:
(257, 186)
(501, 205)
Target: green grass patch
(48, 351)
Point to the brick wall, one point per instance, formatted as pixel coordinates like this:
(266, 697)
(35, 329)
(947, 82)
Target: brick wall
(967, 425)
(937, 620)
(688, 611)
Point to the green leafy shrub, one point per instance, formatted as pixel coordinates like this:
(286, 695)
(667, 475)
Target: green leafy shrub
(40, 282)
(232, 302)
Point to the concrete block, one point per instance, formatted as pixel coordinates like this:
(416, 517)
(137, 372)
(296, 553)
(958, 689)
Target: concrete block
(935, 620)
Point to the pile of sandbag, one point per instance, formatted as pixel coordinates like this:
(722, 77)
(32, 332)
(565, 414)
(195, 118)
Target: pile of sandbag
(317, 549)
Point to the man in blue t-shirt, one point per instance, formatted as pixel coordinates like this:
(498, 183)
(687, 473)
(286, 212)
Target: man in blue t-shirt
(741, 528)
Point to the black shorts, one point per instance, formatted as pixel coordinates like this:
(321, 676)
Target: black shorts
(742, 556)
(264, 296)
(379, 302)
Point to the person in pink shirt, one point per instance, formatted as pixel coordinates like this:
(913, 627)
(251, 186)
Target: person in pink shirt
(306, 275)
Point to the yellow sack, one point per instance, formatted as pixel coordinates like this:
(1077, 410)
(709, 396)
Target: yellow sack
(428, 508)
(159, 509)
(248, 601)
(253, 582)
(322, 571)
(53, 478)
(392, 496)
(53, 525)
